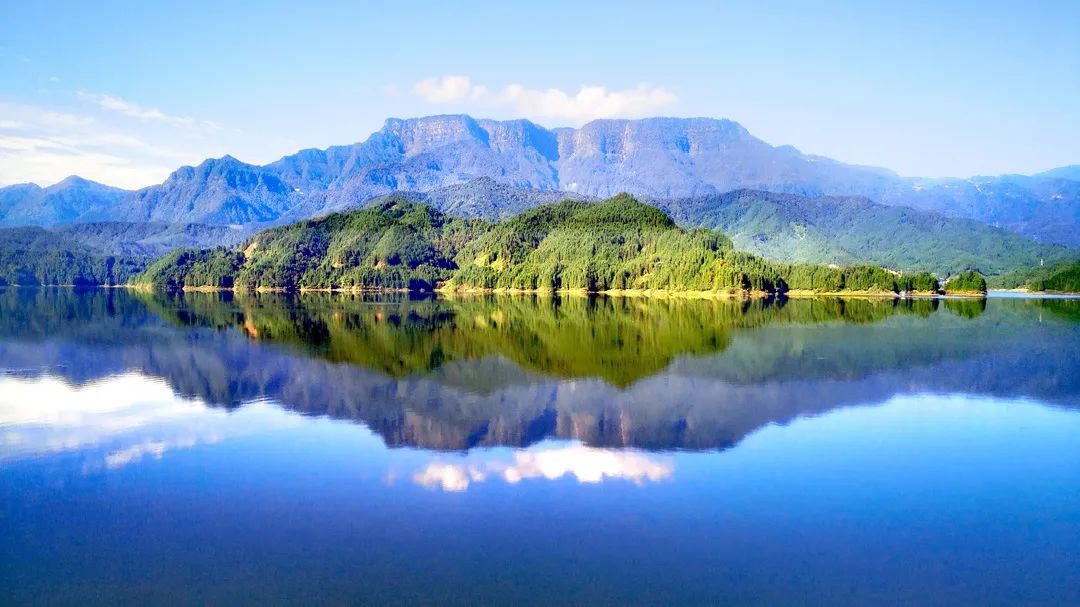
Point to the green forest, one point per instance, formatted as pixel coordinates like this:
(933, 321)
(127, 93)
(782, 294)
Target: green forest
(33, 256)
(615, 245)
(1061, 277)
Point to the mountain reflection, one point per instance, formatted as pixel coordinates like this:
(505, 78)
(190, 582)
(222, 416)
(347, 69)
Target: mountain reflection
(453, 374)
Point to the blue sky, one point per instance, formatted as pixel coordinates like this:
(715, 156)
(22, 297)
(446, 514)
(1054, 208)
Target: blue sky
(124, 92)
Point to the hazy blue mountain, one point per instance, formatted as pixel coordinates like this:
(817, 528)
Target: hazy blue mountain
(63, 202)
(651, 158)
(220, 191)
(845, 230)
(1070, 172)
(1040, 207)
(147, 239)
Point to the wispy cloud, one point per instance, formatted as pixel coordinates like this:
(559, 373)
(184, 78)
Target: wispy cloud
(588, 103)
(44, 145)
(135, 110)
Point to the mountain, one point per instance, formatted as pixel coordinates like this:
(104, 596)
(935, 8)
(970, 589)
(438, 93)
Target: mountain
(64, 202)
(1071, 172)
(841, 230)
(1045, 208)
(652, 158)
(615, 245)
(223, 191)
(483, 198)
(32, 256)
(146, 239)
(395, 245)
(97, 253)
(1063, 276)
(846, 230)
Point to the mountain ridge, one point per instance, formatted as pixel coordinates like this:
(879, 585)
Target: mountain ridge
(652, 158)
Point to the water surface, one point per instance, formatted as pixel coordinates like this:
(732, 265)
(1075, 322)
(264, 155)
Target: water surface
(332, 449)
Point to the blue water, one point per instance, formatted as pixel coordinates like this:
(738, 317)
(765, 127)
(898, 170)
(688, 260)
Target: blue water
(218, 451)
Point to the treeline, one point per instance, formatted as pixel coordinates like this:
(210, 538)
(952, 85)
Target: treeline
(808, 277)
(1065, 279)
(616, 245)
(1061, 277)
(966, 282)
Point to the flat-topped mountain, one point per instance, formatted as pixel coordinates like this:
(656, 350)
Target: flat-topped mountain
(652, 158)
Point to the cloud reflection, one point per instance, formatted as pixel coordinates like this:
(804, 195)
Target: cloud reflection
(114, 422)
(586, 464)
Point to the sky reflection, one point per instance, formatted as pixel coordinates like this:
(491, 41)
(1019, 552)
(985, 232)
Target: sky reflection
(116, 421)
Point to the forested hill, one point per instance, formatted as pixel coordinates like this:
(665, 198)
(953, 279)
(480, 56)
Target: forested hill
(97, 253)
(617, 244)
(35, 256)
(1061, 277)
(846, 230)
(841, 230)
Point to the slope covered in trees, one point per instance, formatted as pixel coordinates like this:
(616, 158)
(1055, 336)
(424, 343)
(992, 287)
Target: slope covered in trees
(35, 256)
(847, 230)
(393, 245)
(1065, 278)
(1061, 277)
(790, 228)
(618, 244)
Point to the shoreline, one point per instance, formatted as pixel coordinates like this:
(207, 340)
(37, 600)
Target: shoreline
(629, 293)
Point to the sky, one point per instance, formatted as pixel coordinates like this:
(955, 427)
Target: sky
(125, 92)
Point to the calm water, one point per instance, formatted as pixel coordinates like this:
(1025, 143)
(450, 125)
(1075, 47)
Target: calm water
(341, 449)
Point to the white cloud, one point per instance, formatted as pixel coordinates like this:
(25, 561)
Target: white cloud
(586, 464)
(449, 88)
(588, 103)
(134, 110)
(43, 145)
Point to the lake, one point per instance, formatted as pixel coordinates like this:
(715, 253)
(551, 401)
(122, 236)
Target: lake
(329, 449)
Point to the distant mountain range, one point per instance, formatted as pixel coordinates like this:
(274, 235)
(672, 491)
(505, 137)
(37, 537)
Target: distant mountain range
(68, 201)
(656, 159)
(787, 227)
